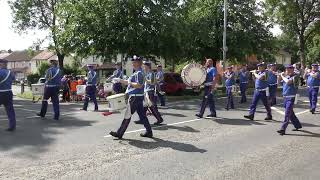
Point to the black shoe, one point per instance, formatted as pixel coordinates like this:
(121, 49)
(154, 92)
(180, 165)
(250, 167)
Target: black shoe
(56, 119)
(296, 129)
(158, 123)
(96, 110)
(11, 129)
(83, 109)
(226, 109)
(148, 135)
(281, 132)
(138, 122)
(312, 111)
(39, 114)
(250, 117)
(211, 116)
(268, 118)
(199, 116)
(114, 134)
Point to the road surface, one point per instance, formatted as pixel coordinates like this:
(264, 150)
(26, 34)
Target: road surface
(227, 147)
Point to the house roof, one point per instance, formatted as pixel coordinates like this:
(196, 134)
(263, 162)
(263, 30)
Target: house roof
(4, 55)
(20, 56)
(44, 55)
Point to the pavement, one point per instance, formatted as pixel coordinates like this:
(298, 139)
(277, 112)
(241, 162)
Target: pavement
(227, 147)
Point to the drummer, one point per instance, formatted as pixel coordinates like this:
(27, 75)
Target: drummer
(118, 73)
(135, 91)
(149, 90)
(229, 76)
(91, 88)
(210, 84)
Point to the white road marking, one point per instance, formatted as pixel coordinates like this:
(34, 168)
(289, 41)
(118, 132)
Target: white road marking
(283, 113)
(140, 130)
(303, 112)
(278, 110)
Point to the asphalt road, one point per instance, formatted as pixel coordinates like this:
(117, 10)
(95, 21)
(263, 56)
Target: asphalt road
(227, 147)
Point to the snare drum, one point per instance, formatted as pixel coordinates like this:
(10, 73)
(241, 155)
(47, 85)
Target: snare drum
(37, 89)
(81, 90)
(108, 87)
(117, 102)
(194, 75)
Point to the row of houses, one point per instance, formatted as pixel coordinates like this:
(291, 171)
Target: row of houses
(26, 62)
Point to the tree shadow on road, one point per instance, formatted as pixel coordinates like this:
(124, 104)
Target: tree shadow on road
(172, 114)
(160, 143)
(240, 122)
(34, 135)
(184, 128)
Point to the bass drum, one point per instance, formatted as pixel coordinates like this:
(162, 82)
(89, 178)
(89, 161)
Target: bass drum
(194, 75)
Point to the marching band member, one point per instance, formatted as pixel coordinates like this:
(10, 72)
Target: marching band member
(6, 95)
(210, 84)
(273, 85)
(52, 86)
(313, 83)
(118, 73)
(290, 82)
(229, 76)
(261, 92)
(160, 80)
(149, 90)
(135, 92)
(91, 88)
(244, 79)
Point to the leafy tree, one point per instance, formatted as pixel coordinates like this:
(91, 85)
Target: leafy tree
(290, 44)
(42, 69)
(300, 18)
(314, 49)
(246, 32)
(44, 15)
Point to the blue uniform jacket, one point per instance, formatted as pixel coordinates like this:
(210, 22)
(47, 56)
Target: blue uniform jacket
(136, 77)
(53, 77)
(6, 79)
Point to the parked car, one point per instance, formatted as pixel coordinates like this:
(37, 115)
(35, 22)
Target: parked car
(173, 83)
(41, 81)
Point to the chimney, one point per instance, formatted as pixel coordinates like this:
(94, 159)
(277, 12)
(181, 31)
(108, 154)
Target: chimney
(9, 51)
(37, 48)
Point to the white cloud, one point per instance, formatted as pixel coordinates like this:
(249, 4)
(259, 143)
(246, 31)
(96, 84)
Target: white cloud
(11, 40)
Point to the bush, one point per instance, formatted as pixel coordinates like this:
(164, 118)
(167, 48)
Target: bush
(33, 78)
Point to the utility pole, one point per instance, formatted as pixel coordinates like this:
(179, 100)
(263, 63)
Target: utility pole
(225, 48)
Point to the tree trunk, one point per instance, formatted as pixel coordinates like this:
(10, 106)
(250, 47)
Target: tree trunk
(302, 46)
(60, 59)
(173, 65)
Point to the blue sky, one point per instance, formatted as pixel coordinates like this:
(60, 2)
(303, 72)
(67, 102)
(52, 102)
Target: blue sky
(11, 40)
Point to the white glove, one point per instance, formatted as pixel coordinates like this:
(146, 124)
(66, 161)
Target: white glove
(116, 80)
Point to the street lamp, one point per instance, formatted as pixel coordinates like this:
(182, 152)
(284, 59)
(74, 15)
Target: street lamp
(225, 48)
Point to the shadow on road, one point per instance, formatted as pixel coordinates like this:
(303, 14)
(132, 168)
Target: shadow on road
(307, 134)
(158, 143)
(37, 133)
(172, 114)
(184, 128)
(241, 122)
